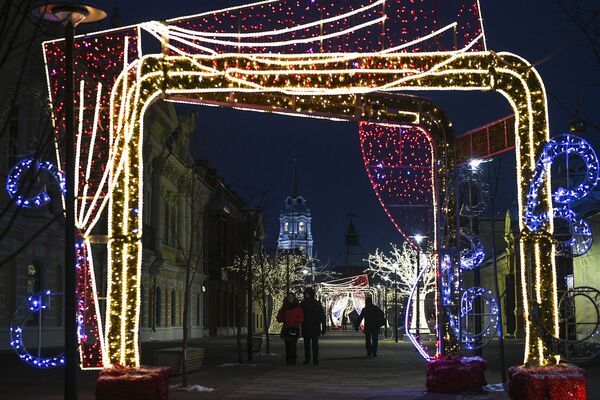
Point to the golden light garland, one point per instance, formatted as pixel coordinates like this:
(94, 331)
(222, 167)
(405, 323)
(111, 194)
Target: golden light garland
(323, 85)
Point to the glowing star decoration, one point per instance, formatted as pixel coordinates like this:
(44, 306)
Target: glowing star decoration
(291, 57)
(34, 303)
(16, 189)
(581, 234)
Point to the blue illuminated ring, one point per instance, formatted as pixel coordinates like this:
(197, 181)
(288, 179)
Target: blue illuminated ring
(581, 234)
(41, 198)
(490, 324)
(34, 302)
(563, 144)
(469, 176)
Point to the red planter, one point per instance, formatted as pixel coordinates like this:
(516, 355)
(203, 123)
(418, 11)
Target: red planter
(555, 382)
(455, 374)
(144, 383)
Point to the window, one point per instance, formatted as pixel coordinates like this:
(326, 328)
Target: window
(34, 285)
(302, 227)
(173, 308)
(173, 225)
(142, 308)
(13, 136)
(157, 307)
(148, 206)
(166, 238)
(286, 227)
(198, 310)
(34, 278)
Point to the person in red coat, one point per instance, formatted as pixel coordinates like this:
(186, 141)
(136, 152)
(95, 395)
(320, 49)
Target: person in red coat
(291, 316)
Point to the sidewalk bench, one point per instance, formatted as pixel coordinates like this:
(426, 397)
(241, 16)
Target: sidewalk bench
(173, 357)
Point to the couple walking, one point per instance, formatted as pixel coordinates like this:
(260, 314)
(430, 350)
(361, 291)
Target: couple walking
(306, 319)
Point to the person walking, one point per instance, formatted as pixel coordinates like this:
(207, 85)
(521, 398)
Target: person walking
(374, 319)
(314, 325)
(291, 316)
(344, 321)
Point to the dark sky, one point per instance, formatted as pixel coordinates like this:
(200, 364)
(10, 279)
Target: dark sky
(253, 151)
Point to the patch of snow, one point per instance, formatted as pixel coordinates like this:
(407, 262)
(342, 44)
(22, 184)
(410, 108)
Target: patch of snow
(190, 388)
(494, 387)
(225, 365)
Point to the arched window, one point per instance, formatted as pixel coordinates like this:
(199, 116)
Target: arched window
(166, 230)
(143, 321)
(286, 227)
(34, 277)
(157, 307)
(173, 308)
(173, 223)
(301, 227)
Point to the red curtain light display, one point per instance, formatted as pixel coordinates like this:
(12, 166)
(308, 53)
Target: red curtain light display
(399, 162)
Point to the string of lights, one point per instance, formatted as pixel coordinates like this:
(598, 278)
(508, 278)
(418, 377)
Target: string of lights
(348, 57)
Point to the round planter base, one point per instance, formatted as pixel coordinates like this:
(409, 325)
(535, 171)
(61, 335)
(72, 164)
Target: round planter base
(555, 382)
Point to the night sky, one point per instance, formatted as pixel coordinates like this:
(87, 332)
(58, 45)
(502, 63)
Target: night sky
(254, 151)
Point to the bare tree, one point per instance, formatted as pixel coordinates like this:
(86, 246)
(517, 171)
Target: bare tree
(189, 251)
(399, 269)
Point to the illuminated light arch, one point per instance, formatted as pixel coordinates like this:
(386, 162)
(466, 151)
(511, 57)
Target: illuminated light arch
(326, 83)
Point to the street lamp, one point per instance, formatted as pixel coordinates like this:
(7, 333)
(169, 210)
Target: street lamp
(70, 15)
(395, 266)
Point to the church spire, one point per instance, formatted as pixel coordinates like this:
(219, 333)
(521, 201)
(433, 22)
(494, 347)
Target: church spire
(295, 190)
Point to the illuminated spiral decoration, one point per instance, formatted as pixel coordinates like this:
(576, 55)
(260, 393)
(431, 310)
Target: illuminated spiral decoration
(473, 255)
(581, 234)
(471, 177)
(42, 198)
(461, 325)
(568, 144)
(35, 303)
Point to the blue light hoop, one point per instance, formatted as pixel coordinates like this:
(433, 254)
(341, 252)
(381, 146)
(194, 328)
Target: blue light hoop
(563, 144)
(472, 176)
(41, 198)
(581, 234)
(479, 339)
(34, 302)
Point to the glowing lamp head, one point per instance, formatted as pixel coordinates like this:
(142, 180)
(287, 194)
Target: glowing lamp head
(418, 238)
(475, 163)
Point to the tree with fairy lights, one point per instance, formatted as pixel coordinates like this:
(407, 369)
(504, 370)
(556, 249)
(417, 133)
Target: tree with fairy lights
(269, 275)
(398, 269)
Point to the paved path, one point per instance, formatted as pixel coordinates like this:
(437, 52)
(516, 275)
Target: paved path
(343, 373)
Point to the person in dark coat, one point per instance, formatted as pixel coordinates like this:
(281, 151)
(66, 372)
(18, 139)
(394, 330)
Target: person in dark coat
(314, 325)
(374, 319)
(291, 316)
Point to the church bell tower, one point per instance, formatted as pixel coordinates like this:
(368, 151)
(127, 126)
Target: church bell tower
(295, 223)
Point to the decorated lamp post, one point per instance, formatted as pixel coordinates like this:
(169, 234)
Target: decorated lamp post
(70, 15)
(418, 239)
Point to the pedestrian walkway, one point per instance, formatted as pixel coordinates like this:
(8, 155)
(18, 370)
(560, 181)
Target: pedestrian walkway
(344, 372)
